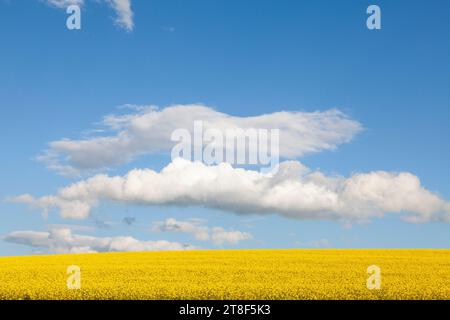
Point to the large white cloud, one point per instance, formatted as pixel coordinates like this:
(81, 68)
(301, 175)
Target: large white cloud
(217, 235)
(62, 240)
(292, 191)
(149, 130)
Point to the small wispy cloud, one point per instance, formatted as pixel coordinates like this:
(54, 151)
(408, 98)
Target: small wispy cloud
(124, 13)
(168, 29)
(62, 4)
(217, 235)
(129, 220)
(122, 8)
(63, 240)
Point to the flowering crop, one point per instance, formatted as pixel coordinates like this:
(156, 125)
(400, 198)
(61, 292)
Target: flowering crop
(230, 274)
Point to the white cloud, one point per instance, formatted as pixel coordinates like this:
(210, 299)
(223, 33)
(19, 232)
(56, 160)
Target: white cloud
(148, 130)
(124, 13)
(62, 240)
(192, 227)
(63, 4)
(292, 191)
(217, 235)
(122, 9)
(220, 236)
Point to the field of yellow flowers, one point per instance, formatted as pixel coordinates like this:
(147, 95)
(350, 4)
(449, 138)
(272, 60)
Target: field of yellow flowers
(230, 274)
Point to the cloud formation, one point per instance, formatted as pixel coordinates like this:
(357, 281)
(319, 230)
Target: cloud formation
(221, 236)
(62, 4)
(292, 191)
(129, 220)
(148, 130)
(62, 240)
(217, 235)
(195, 228)
(124, 13)
(122, 9)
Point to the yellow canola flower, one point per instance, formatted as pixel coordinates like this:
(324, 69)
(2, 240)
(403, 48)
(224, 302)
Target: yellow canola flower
(230, 274)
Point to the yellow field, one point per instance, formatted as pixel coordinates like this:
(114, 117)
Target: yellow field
(230, 274)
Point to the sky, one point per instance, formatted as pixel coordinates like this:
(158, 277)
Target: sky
(363, 115)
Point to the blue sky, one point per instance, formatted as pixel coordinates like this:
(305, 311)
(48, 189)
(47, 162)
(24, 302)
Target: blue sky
(244, 58)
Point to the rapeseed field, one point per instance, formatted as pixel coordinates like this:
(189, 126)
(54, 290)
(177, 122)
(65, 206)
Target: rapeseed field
(230, 274)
